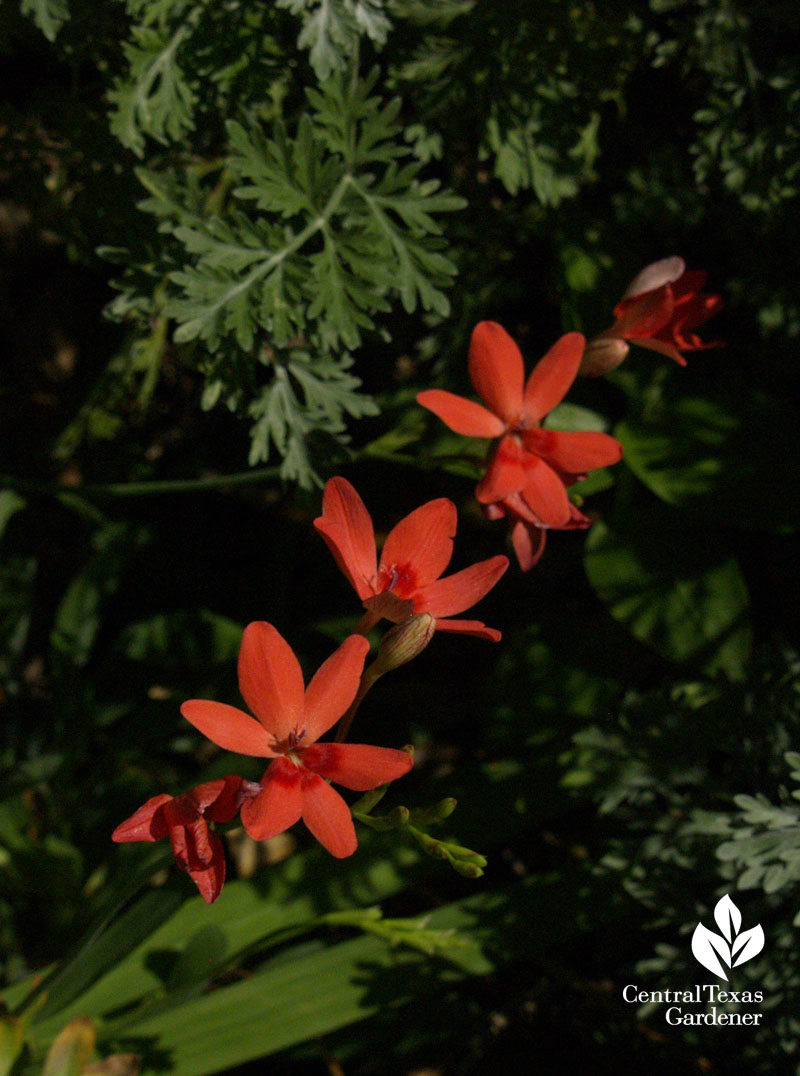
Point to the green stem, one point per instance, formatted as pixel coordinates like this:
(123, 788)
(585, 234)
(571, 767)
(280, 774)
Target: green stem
(367, 680)
(140, 489)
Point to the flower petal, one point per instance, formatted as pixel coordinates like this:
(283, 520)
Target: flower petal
(423, 541)
(553, 375)
(644, 315)
(528, 543)
(662, 347)
(470, 627)
(574, 452)
(278, 805)
(210, 879)
(346, 526)
(357, 766)
(496, 369)
(218, 800)
(688, 285)
(334, 687)
(190, 840)
(146, 824)
(229, 728)
(461, 590)
(270, 679)
(461, 415)
(507, 472)
(388, 606)
(655, 276)
(328, 816)
(546, 495)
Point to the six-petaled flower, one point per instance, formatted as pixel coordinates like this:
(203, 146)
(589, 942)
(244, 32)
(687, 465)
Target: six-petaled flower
(414, 555)
(291, 718)
(661, 310)
(184, 819)
(530, 462)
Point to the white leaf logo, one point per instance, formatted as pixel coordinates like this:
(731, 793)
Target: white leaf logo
(728, 917)
(715, 952)
(747, 945)
(708, 948)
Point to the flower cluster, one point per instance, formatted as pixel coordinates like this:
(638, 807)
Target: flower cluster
(529, 472)
(290, 718)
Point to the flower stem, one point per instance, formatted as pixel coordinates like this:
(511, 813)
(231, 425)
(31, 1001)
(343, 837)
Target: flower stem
(368, 678)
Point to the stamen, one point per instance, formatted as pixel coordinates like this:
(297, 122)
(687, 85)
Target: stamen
(295, 738)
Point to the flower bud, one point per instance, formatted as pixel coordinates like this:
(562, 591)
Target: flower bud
(602, 354)
(403, 642)
(468, 870)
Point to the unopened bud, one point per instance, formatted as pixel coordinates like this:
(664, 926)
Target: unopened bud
(403, 642)
(602, 354)
(468, 870)
(437, 813)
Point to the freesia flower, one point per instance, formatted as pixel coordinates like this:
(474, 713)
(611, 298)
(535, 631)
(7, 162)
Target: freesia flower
(184, 819)
(290, 720)
(661, 309)
(416, 552)
(528, 460)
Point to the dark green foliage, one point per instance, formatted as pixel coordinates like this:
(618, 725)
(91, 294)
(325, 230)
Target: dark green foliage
(292, 214)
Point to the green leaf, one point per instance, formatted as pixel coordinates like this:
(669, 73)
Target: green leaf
(308, 992)
(331, 29)
(686, 599)
(103, 953)
(49, 15)
(10, 504)
(351, 236)
(573, 417)
(154, 99)
(184, 639)
(79, 613)
(734, 463)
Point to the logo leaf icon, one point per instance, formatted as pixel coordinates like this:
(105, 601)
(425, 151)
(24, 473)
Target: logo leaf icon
(708, 948)
(748, 944)
(728, 917)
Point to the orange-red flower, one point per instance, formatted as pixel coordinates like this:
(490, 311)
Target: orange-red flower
(528, 535)
(535, 463)
(414, 555)
(661, 310)
(184, 819)
(291, 718)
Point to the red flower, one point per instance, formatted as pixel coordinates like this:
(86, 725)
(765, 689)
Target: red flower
(414, 555)
(291, 718)
(660, 310)
(535, 463)
(184, 819)
(528, 535)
